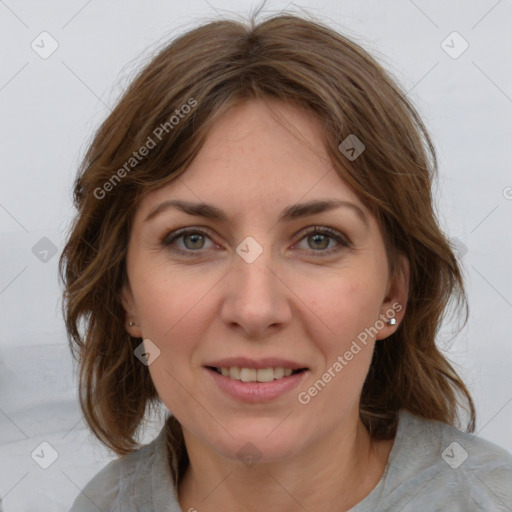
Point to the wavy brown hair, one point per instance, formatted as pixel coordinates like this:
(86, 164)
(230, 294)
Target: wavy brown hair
(302, 62)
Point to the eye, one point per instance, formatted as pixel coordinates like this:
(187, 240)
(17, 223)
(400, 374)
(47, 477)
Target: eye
(187, 241)
(320, 237)
(193, 240)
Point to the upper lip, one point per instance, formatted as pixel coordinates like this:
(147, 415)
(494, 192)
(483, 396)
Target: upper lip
(246, 362)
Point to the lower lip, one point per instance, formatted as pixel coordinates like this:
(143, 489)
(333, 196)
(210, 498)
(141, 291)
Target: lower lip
(256, 392)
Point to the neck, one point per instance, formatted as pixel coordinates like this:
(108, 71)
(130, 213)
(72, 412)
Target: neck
(342, 468)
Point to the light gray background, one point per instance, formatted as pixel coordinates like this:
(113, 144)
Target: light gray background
(50, 108)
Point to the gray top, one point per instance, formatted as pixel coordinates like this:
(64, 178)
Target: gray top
(432, 467)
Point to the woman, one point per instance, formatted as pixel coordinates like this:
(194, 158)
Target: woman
(256, 248)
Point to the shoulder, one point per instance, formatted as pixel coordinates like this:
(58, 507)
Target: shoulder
(452, 468)
(127, 483)
(456, 449)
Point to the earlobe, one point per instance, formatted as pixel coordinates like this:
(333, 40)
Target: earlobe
(132, 325)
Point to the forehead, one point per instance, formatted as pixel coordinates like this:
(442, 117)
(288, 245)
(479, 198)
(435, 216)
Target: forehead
(259, 155)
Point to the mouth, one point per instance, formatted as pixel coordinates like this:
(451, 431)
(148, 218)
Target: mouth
(244, 374)
(255, 382)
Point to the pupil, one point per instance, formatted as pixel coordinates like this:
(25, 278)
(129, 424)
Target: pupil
(315, 237)
(194, 239)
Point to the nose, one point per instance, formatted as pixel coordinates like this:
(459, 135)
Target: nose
(256, 300)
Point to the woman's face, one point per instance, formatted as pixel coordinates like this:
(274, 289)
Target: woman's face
(250, 287)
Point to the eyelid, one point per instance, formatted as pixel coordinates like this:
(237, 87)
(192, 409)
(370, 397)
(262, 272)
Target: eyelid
(188, 230)
(325, 230)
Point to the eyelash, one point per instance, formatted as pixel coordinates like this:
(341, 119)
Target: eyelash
(170, 238)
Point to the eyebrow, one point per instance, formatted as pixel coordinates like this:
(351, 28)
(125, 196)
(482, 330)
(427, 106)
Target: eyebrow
(295, 211)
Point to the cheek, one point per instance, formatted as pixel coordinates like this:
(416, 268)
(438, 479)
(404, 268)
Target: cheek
(346, 307)
(168, 302)
(174, 313)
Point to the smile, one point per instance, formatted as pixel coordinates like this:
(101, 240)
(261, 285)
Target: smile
(255, 374)
(255, 385)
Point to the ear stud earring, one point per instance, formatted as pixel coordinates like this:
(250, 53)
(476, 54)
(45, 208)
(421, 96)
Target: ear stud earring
(392, 321)
(131, 324)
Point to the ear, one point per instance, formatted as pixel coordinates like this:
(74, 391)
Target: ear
(395, 302)
(130, 309)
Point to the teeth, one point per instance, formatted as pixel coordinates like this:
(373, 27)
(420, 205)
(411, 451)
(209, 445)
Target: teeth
(278, 373)
(248, 374)
(255, 375)
(265, 375)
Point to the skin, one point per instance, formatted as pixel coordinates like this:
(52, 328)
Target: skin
(292, 302)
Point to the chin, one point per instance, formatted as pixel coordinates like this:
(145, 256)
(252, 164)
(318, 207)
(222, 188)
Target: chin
(250, 440)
